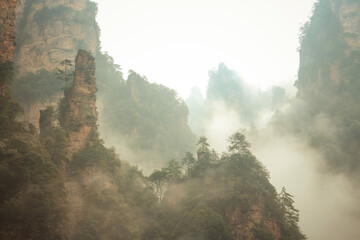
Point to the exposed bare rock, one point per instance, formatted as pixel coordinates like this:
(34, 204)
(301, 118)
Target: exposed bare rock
(328, 82)
(78, 113)
(338, 39)
(244, 224)
(349, 16)
(7, 30)
(7, 36)
(51, 31)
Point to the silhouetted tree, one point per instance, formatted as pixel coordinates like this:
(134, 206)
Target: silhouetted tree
(159, 180)
(65, 75)
(189, 161)
(238, 144)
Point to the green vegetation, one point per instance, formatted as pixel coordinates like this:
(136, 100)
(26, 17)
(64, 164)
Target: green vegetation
(151, 117)
(32, 196)
(291, 215)
(8, 108)
(329, 84)
(95, 154)
(227, 87)
(67, 74)
(321, 44)
(39, 86)
(37, 181)
(199, 203)
(47, 193)
(93, 195)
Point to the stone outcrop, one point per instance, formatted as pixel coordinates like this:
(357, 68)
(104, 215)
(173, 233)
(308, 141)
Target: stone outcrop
(328, 83)
(51, 31)
(7, 37)
(333, 35)
(7, 30)
(244, 224)
(348, 13)
(78, 115)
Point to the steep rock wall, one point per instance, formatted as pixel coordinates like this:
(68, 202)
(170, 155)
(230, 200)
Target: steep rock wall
(32, 108)
(78, 113)
(7, 30)
(331, 36)
(7, 37)
(51, 31)
(244, 224)
(349, 15)
(328, 82)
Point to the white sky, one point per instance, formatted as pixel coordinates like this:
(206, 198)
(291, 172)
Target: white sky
(176, 42)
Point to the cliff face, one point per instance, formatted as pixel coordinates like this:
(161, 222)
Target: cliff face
(330, 38)
(32, 108)
(51, 31)
(45, 196)
(349, 15)
(328, 81)
(7, 30)
(7, 37)
(244, 224)
(78, 114)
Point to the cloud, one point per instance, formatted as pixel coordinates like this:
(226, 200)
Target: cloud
(328, 203)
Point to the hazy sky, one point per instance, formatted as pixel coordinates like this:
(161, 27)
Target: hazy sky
(176, 42)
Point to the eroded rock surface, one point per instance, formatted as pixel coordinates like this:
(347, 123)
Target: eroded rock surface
(78, 113)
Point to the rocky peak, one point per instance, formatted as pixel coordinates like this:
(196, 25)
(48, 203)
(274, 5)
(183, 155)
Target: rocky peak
(78, 115)
(328, 82)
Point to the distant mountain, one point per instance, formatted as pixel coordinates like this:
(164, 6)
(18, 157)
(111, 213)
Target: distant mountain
(63, 183)
(196, 105)
(228, 93)
(49, 32)
(329, 82)
(146, 122)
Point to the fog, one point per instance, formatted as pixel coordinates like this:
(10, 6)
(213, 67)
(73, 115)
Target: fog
(158, 38)
(328, 202)
(221, 123)
(259, 40)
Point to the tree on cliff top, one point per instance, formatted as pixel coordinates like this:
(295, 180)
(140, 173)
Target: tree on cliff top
(67, 74)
